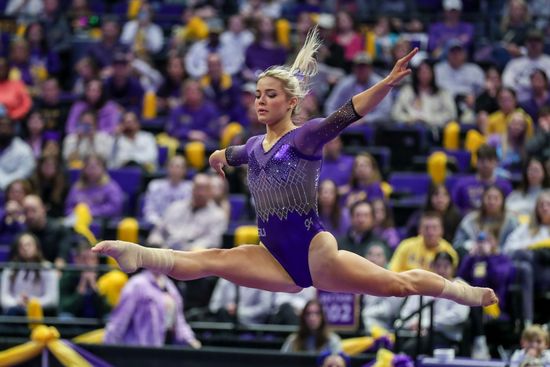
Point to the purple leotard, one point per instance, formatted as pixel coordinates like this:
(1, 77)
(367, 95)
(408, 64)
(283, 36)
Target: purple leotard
(283, 182)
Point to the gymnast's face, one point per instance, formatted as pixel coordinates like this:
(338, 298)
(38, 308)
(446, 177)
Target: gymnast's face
(272, 103)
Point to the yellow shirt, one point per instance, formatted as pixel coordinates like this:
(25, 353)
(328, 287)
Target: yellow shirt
(498, 122)
(413, 254)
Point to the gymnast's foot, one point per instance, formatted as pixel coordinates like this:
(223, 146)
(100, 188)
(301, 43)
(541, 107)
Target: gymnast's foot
(489, 297)
(127, 254)
(463, 293)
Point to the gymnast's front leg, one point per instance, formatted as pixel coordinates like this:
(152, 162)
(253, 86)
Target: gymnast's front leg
(247, 265)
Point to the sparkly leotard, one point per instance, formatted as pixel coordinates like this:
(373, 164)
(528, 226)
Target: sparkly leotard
(283, 182)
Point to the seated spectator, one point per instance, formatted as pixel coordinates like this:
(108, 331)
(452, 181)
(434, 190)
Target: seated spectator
(347, 37)
(379, 311)
(493, 214)
(514, 28)
(193, 223)
(56, 239)
(79, 296)
(336, 165)
(537, 230)
(313, 334)
(511, 144)
(439, 201)
(58, 33)
(149, 313)
(122, 87)
(109, 45)
(20, 64)
(12, 215)
(162, 192)
(518, 71)
(54, 110)
(35, 136)
(19, 286)
(196, 118)
(423, 102)
(16, 157)
(486, 102)
(449, 316)
(86, 70)
(362, 78)
(539, 144)
(535, 179)
(85, 140)
(468, 190)
(384, 226)
(141, 35)
(237, 37)
(360, 234)
(264, 51)
(534, 345)
(497, 122)
(108, 112)
(15, 99)
(335, 218)
(251, 306)
(50, 184)
(419, 252)
(96, 189)
(133, 146)
(364, 182)
(169, 92)
(43, 61)
(539, 95)
(451, 27)
(287, 307)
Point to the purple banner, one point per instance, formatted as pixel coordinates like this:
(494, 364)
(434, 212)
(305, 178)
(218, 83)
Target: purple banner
(341, 309)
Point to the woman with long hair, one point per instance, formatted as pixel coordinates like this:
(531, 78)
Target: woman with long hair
(384, 225)
(534, 180)
(365, 180)
(313, 334)
(335, 218)
(50, 183)
(283, 174)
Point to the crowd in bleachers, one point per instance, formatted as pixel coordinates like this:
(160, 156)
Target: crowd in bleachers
(117, 104)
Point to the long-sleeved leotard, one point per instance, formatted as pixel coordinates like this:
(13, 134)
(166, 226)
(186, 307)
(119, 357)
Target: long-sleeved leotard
(283, 182)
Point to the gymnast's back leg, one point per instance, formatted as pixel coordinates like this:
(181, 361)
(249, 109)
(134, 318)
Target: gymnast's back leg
(343, 271)
(247, 265)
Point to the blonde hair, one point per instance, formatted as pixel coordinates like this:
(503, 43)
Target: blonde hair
(535, 331)
(295, 79)
(536, 221)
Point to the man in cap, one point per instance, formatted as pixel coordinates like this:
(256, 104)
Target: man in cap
(451, 27)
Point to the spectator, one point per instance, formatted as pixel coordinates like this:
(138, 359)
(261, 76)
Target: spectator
(103, 52)
(162, 192)
(539, 95)
(86, 140)
(439, 200)
(538, 228)
(364, 182)
(363, 77)
(194, 223)
(41, 57)
(237, 37)
(361, 233)
(52, 108)
(335, 218)
(169, 92)
(36, 138)
(196, 119)
(384, 226)
(336, 166)
(514, 28)
(50, 184)
(450, 28)
(419, 252)
(78, 289)
(58, 32)
(534, 345)
(423, 102)
(95, 98)
(313, 334)
(347, 37)
(86, 70)
(535, 179)
(16, 158)
(492, 213)
(250, 306)
(12, 215)
(15, 100)
(497, 122)
(287, 307)
(539, 144)
(149, 313)
(122, 87)
(449, 317)
(468, 190)
(55, 238)
(20, 64)
(19, 286)
(96, 189)
(379, 311)
(144, 37)
(486, 102)
(133, 146)
(518, 71)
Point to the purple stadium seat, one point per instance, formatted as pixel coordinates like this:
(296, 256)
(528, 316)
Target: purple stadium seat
(409, 183)
(462, 157)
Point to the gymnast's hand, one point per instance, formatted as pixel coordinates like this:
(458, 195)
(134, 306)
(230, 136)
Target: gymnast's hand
(217, 161)
(400, 69)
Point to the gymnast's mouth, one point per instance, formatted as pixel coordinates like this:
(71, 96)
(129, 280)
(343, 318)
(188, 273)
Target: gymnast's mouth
(262, 111)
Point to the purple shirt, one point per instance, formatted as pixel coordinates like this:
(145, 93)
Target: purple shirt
(440, 34)
(259, 57)
(338, 170)
(128, 94)
(139, 318)
(205, 118)
(108, 117)
(104, 200)
(468, 191)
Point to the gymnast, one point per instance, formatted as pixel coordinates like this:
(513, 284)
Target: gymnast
(283, 174)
